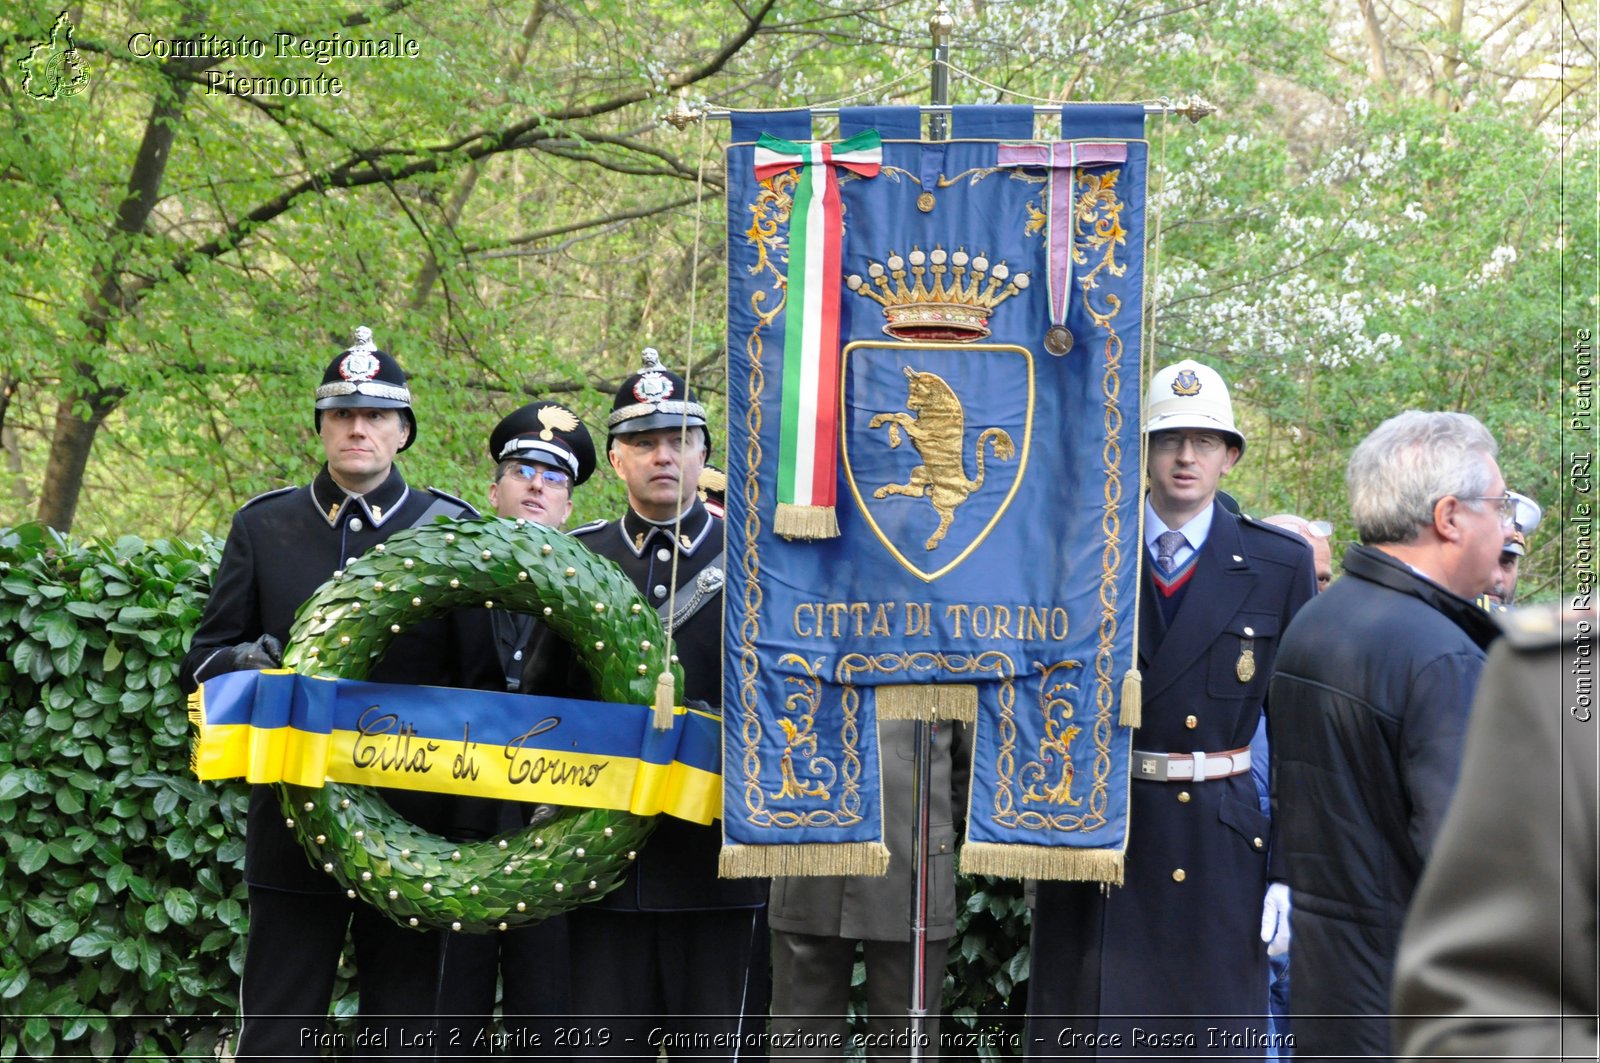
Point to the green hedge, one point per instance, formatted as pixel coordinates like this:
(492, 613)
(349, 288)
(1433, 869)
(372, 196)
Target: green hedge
(122, 905)
(122, 911)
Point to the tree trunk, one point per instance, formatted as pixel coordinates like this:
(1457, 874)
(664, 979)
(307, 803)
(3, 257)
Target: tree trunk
(72, 438)
(1450, 62)
(9, 442)
(1375, 51)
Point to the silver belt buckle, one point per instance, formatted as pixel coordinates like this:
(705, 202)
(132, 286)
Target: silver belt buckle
(1153, 766)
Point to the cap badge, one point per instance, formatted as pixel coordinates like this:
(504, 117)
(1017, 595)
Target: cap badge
(1186, 383)
(556, 419)
(358, 366)
(652, 386)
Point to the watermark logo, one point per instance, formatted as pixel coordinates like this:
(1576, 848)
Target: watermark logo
(54, 69)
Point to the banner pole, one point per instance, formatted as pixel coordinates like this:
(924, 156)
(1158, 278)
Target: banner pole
(1194, 108)
(939, 27)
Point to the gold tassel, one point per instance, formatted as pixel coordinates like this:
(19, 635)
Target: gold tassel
(1058, 863)
(663, 708)
(928, 701)
(807, 860)
(1132, 714)
(805, 522)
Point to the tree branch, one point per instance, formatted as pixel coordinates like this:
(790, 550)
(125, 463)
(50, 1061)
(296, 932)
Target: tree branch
(363, 168)
(496, 251)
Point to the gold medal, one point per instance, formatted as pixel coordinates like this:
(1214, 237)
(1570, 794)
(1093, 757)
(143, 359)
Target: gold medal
(1245, 666)
(925, 202)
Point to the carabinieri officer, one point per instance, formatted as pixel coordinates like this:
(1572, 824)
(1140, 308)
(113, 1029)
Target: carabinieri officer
(541, 453)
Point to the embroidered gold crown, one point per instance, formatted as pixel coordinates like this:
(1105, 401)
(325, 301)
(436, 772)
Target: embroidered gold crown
(950, 296)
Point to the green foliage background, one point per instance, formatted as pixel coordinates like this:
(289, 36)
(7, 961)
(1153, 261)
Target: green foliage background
(1392, 207)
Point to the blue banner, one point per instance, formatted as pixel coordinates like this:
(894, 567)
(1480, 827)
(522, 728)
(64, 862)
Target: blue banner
(989, 295)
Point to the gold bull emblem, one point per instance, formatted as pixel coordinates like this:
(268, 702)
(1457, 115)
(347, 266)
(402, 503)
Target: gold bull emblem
(938, 431)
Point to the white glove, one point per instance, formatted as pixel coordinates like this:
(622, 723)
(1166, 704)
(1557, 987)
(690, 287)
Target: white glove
(1275, 919)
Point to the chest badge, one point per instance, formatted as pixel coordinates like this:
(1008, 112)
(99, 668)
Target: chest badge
(1245, 666)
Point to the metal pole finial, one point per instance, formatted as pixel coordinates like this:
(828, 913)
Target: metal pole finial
(682, 115)
(1194, 108)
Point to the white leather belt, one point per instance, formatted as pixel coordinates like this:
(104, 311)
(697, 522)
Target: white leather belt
(1190, 767)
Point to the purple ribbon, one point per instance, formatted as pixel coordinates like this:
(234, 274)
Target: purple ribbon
(1061, 157)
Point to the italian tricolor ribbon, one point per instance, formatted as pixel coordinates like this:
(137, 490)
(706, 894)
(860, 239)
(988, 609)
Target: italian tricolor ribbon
(808, 452)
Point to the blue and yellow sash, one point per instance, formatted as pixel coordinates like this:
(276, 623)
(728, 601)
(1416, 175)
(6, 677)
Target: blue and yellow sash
(279, 726)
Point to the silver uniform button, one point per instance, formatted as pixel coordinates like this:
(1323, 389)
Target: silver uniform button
(659, 590)
(355, 524)
(663, 554)
(517, 656)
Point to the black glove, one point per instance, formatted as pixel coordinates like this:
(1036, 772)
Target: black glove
(264, 652)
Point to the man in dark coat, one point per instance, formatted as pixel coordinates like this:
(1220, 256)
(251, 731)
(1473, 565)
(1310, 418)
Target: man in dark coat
(283, 545)
(1174, 962)
(817, 921)
(542, 453)
(1369, 711)
(1500, 956)
(674, 956)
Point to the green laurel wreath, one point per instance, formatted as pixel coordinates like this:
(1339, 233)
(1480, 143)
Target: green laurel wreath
(421, 879)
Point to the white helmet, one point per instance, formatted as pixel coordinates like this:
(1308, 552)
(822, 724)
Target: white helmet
(1524, 524)
(1190, 395)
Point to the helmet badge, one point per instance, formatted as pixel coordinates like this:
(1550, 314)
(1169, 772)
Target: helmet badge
(358, 366)
(652, 386)
(1186, 383)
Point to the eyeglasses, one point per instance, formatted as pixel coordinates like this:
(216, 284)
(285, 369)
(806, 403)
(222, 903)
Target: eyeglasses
(1172, 442)
(1504, 503)
(532, 473)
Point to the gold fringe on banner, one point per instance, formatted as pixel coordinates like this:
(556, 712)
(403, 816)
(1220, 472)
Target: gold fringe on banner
(806, 522)
(1132, 714)
(1044, 862)
(928, 701)
(783, 861)
(197, 719)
